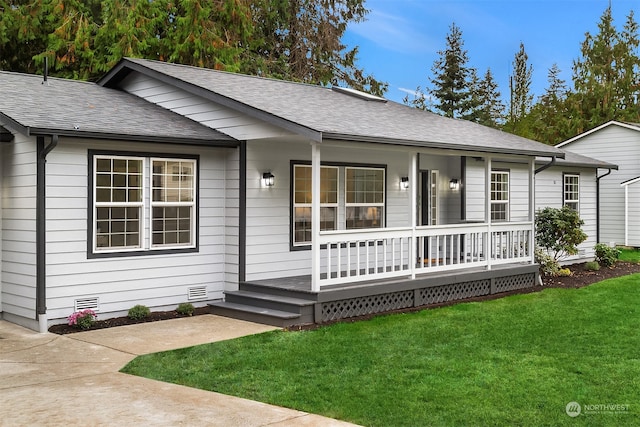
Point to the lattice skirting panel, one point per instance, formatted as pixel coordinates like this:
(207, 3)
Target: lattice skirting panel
(511, 283)
(343, 309)
(372, 304)
(453, 292)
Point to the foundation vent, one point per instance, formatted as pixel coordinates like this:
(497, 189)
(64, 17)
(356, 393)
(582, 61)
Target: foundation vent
(86, 303)
(197, 293)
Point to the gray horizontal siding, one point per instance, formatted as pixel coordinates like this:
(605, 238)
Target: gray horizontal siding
(518, 189)
(269, 209)
(18, 228)
(155, 280)
(223, 119)
(620, 146)
(549, 193)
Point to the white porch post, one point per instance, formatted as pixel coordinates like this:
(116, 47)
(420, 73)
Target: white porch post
(532, 207)
(413, 199)
(315, 217)
(626, 215)
(487, 210)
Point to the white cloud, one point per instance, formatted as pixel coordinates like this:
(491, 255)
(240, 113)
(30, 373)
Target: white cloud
(393, 32)
(411, 92)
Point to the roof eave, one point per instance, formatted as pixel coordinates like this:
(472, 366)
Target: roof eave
(8, 121)
(443, 145)
(588, 165)
(164, 139)
(596, 129)
(125, 66)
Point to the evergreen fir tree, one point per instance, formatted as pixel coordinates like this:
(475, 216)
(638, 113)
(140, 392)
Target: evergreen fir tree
(450, 86)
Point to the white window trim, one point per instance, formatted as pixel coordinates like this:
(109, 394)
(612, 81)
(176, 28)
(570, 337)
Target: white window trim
(96, 205)
(565, 201)
(146, 206)
(152, 204)
(501, 202)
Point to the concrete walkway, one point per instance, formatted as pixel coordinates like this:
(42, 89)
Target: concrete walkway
(53, 380)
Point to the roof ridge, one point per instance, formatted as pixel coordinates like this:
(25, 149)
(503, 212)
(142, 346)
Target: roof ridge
(41, 76)
(231, 73)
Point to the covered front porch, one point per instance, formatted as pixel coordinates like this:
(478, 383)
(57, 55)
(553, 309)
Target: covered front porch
(450, 225)
(482, 236)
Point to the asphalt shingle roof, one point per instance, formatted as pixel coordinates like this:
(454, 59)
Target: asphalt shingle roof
(573, 159)
(71, 107)
(339, 115)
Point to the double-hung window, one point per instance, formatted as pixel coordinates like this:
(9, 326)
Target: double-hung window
(350, 198)
(364, 197)
(571, 191)
(143, 203)
(172, 202)
(118, 202)
(499, 196)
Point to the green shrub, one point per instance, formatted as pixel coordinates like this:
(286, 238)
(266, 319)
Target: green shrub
(185, 308)
(606, 255)
(564, 272)
(559, 231)
(592, 266)
(548, 265)
(138, 312)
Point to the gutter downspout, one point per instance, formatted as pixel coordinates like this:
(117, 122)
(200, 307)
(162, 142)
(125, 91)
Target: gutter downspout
(41, 230)
(598, 178)
(548, 165)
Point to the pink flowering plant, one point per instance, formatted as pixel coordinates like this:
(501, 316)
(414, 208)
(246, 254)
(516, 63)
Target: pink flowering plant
(82, 319)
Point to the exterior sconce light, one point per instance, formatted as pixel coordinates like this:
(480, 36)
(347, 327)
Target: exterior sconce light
(267, 179)
(404, 182)
(454, 185)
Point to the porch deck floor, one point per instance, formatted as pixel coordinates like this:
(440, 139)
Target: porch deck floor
(303, 283)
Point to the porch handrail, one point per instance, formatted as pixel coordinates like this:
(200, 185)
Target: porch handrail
(376, 253)
(328, 236)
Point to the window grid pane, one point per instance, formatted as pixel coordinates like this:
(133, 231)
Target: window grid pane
(499, 196)
(172, 202)
(571, 191)
(117, 202)
(364, 198)
(364, 186)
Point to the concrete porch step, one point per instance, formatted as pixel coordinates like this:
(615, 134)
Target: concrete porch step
(255, 314)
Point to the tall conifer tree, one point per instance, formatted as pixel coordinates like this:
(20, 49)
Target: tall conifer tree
(450, 90)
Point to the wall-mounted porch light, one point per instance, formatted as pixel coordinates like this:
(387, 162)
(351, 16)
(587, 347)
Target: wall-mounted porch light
(453, 184)
(268, 179)
(404, 182)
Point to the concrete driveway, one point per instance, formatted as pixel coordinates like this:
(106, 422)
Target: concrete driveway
(53, 380)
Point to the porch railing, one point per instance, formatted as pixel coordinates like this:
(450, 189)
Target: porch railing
(358, 255)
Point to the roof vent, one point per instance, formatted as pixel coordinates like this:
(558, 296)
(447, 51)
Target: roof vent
(358, 94)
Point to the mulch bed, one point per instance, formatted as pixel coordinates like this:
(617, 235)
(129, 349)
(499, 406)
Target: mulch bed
(580, 277)
(121, 321)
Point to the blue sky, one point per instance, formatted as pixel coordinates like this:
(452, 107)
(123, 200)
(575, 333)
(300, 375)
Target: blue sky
(400, 39)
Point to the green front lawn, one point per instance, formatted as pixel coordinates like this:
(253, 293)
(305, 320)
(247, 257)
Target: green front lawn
(513, 361)
(630, 255)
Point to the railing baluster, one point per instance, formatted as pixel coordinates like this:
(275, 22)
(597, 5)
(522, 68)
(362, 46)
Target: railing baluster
(451, 246)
